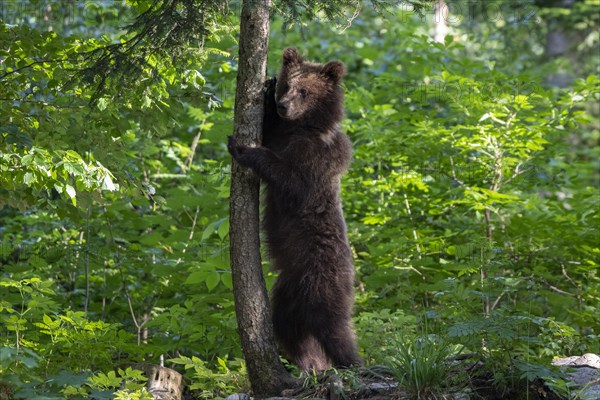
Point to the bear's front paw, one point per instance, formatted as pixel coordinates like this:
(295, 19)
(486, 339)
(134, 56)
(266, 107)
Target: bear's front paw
(270, 85)
(235, 149)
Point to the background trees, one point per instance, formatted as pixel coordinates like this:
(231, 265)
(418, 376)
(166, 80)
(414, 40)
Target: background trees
(472, 202)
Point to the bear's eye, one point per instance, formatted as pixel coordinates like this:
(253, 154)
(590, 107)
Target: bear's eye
(303, 92)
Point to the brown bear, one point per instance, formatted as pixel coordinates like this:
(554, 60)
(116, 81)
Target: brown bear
(301, 161)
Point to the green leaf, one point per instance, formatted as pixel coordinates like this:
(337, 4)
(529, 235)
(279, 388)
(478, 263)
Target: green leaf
(226, 279)
(208, 231)
(29, 178)
(374, 220)
(107, 184)
(195, 278)
(27, 159)
(70, 190)
(212, 280)
(223, 229)
(102, 104)
(74, 168)
(74, 155)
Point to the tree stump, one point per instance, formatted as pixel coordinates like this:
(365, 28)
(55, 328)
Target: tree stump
(163, 383)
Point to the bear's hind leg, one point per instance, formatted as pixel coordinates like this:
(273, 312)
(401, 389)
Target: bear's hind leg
(304, 351)
(339, 343)
(309, 355)
(290, 328)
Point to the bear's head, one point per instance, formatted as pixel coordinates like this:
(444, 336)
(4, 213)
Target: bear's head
(308, 90)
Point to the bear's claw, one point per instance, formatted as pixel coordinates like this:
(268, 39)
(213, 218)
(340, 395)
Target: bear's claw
(232, 146)
(270, 85)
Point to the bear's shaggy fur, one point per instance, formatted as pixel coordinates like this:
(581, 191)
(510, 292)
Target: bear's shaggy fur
(303, 156)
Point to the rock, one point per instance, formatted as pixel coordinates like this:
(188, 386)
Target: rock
(378, 387)
(586, 360)
(280, 398)
(238, 396)
(583, 371)
(588, 379)
(465, 395)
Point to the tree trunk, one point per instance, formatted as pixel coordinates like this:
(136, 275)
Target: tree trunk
(440, 20)
(267, 375)
(561, 41)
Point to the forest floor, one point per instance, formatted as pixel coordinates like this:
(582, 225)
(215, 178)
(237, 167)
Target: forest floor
(382, 386)
(582, 376)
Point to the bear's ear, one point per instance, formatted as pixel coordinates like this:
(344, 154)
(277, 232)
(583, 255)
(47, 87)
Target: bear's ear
(334, 71)
(291, 57)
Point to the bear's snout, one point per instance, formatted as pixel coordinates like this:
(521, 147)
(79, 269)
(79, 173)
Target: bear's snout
(282, 109)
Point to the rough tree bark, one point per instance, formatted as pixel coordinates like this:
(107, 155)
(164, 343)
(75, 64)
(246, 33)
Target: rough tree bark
(267, 375)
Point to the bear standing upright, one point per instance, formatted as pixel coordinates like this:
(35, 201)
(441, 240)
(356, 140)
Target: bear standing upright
(301, 161)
